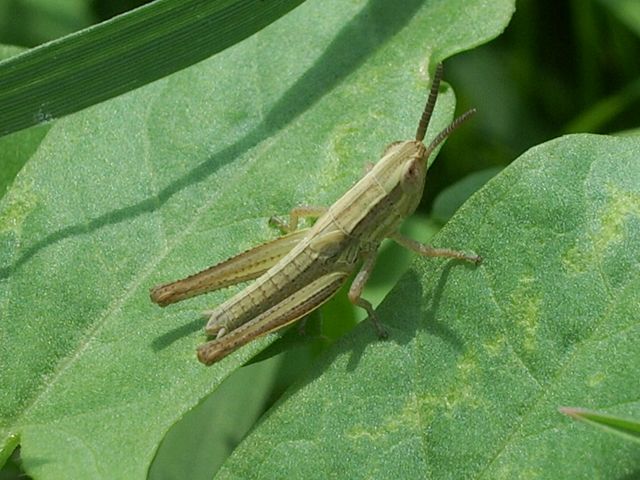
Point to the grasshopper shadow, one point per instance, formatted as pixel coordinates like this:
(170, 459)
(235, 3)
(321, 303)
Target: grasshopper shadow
(431, 324)
(371, 28)
(403, 326)
(168, 338)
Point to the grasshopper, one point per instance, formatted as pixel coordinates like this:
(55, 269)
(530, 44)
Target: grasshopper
(298, 272)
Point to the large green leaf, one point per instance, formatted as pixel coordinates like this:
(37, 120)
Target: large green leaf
(480, 359)
(171, 178)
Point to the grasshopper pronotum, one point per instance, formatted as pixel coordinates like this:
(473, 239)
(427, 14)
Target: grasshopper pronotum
(298, 272)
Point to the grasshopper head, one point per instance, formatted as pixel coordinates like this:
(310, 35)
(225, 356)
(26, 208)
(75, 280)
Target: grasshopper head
(414, 153)
(403, 166)
(414, 170)
(409, 159)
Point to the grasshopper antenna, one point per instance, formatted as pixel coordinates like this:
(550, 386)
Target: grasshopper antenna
(428, 112)
(449, 130)
(431, 102)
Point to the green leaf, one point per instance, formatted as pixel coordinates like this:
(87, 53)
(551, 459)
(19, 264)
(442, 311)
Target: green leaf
(124, 53)
(34, 22)
(173, 177)
(628, 11)
(626, 427)
(480, 358)
(606, 109)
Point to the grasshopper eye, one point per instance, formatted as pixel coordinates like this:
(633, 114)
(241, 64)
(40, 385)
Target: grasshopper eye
(412, 178)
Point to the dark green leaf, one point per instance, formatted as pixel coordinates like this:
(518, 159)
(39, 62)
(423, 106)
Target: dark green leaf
(628, 11)
(196, 446)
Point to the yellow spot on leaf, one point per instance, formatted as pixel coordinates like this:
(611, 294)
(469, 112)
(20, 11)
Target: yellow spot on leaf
(595, 379)
(524, 308)
(607, 230)
(18, 203)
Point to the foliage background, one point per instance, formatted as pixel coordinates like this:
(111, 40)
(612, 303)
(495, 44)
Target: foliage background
(560, 67)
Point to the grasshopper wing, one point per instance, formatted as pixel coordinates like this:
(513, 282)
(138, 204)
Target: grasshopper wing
(245, 266)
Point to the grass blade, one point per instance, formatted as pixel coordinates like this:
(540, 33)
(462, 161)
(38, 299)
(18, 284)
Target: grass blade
(124, 53)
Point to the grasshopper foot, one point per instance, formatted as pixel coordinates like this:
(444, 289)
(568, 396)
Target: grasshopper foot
(380, 329)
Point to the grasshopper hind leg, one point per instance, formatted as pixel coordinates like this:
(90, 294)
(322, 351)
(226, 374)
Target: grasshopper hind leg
(299, 304)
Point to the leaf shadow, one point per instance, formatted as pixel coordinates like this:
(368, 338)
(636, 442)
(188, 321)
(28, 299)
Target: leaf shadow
(633, 475)
(371, 28)
(401, 331)
(413, 297)
(431, 323)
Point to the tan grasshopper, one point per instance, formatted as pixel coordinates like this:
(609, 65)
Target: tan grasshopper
(298, 272)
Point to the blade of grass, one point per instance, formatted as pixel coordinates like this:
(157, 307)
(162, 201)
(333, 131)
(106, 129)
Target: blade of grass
(630, 429)
(124, 53)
